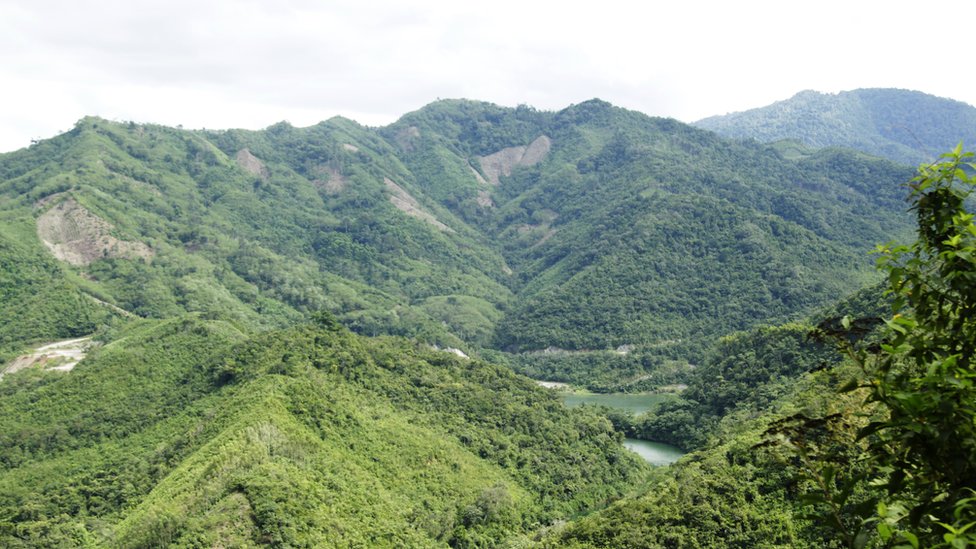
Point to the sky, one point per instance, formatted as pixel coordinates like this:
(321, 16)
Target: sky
(252, 63)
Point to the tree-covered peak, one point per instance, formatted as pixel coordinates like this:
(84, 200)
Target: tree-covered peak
(902, 125)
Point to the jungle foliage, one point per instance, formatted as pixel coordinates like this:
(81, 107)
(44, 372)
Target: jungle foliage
(190, 432)
(913, 482)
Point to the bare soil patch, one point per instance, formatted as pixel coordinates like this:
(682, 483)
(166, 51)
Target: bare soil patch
(477, 176)
(60, 355)
(79, 237)
(536, 151)
(405, 137)
(502, 162)
(251, 164)
(484, 199)
(409, 205)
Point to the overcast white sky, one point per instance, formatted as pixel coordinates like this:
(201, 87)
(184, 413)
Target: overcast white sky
(249, 64)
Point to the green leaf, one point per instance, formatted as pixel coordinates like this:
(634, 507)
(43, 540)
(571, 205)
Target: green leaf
(884, 531)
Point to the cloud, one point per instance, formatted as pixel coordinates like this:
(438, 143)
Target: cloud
(226, 63)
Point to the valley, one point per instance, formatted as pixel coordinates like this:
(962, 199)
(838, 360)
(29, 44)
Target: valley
(328, 336)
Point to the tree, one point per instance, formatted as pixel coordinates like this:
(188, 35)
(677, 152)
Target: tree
(918, 467)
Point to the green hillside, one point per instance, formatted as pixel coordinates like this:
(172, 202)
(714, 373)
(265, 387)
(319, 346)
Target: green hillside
(41, 299)
(268, 308)
(266, 248)
(902, 125)
(190, 432)
(867, 444)
(607, 235)
(607, 232)
(464, 224)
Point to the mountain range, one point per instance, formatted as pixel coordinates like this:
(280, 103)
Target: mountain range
(306, 336)
(465, 224)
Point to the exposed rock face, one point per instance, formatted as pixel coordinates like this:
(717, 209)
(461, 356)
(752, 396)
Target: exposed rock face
(251, 164)
(409, 205)
(536, 151)
(501, 163)
(79, 237)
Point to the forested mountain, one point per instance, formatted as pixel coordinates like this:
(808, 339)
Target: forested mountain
(902, 125)
(465, 224)
(231, 281)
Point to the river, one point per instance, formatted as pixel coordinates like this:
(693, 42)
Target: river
(655, 453)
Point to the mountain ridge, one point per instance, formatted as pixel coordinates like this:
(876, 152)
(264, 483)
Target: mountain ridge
(402, 229)
(903, 125)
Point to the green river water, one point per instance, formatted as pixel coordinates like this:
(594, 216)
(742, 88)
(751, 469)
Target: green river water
(655, 453)
(633, 403)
